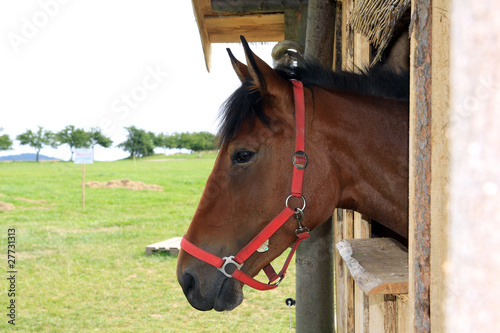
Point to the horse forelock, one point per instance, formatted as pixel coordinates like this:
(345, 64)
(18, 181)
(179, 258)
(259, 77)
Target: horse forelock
(246, 104)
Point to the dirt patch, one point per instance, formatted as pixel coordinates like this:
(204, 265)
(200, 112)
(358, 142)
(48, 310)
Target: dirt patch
(124, 183)
(39, 202)
(4, 206)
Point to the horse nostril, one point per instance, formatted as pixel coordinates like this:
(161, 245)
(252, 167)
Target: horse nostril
(188, 283)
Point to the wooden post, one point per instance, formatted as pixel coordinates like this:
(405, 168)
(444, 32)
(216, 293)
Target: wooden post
(440, 164)
(420, 166)
(314, 261)
(83, 186)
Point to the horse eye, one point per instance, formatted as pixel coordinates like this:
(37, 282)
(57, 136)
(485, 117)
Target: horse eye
(243, 156)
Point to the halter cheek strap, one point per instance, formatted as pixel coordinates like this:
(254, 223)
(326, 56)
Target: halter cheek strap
(300, 163)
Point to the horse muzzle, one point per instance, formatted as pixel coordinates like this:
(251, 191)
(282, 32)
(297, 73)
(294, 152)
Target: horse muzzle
(207, 288)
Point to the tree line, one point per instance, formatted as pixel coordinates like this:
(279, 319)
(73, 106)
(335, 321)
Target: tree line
(139, 143)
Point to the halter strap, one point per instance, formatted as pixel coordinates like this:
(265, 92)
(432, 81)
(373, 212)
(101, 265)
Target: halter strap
(300, 163)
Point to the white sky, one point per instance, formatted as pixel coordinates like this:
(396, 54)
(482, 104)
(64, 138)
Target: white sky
(89, 64)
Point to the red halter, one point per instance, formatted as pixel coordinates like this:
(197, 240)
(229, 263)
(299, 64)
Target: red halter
(300, 163)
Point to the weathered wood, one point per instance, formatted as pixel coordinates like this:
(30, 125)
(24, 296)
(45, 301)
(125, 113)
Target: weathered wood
(341, 224)
(420, 165)
(402, 317)
(378, 265)
(256, 6)
(390, 314)
(255, 28)
(362, 229)
(296, 25)
(362, 226)
(172, 246)
(227, 27)
(376, 308)
(440, 165)
(199, 9)
(361, 311)
(347, 37)
(348, 279)
(320, 31)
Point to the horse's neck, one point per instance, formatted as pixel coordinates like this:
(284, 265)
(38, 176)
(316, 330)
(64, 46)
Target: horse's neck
(368, 142)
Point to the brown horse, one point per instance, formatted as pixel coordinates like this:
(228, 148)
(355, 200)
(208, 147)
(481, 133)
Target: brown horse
(356, 142)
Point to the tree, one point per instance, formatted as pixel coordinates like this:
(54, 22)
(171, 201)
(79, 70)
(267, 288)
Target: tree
(201, 141)
(97, 138)
(139, 143)
(37, 140)
(74, 137)
(5, 141)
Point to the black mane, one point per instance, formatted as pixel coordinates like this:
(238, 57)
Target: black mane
(247, 104)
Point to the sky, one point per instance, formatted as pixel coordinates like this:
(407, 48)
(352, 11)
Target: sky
(109, 64)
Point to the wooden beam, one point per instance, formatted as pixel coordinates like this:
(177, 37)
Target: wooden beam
(199, 9)
(255, 28)
(256, 6)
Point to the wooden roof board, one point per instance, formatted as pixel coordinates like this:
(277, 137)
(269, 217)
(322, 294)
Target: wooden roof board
(227, 27)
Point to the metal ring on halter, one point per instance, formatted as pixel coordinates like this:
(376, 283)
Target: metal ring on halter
(302, 197)
(227, 261)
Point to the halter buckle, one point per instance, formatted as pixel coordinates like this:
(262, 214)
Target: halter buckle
(300, 160)
(229, 260)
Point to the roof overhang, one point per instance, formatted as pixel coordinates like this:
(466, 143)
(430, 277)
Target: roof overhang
(227, 26)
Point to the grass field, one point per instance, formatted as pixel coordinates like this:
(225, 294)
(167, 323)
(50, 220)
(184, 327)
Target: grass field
(86, 270)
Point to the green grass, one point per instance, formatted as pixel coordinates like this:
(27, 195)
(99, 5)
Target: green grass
(86, 270)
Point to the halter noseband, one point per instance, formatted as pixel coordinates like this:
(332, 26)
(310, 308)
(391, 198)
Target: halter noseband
(302, 232)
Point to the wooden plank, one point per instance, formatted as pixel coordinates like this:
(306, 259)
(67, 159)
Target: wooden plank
(440, 165)
(362, 226)
(347, 36)
(378, 265)
(420, 165)
(390, 314)
(172, 246)
(403, 319)
(362, 229)
(362, 310)
(361, 52)
(255, 28)
(349, 281)
(340, 271)
(200, 8)
(376, 308)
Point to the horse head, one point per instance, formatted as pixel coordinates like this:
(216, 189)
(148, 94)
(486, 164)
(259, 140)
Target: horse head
(250, 182)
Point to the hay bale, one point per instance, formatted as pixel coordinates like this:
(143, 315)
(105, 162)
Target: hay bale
(376, 20)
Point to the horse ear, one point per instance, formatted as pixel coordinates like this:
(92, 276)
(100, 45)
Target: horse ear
(240, 68)
(264, 77)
